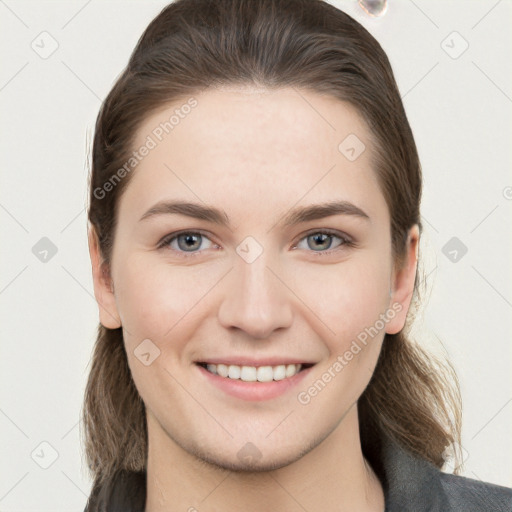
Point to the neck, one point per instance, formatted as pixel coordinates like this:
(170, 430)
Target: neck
(331, 477)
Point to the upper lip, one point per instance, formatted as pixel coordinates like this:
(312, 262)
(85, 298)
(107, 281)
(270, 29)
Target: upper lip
(248, 361)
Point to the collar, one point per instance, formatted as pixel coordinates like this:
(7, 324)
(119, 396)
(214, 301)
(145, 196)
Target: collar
(411, 484)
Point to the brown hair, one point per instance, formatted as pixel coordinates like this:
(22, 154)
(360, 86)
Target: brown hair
(193, 45)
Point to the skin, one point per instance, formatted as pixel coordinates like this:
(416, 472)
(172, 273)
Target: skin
(256, 154)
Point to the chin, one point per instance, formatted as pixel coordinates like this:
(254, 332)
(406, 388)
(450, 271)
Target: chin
(249, 459)
(250, 466)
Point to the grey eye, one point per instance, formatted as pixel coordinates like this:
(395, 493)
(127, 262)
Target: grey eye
(320, 241)
(188, 242)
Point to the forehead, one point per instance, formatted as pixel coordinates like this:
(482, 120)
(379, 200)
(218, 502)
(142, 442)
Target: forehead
(270, 147)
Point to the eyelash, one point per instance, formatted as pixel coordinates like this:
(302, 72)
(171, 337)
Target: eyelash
(345, 241)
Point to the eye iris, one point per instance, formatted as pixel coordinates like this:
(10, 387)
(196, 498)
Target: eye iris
(189, 238)
(323, 238)
(188, 242)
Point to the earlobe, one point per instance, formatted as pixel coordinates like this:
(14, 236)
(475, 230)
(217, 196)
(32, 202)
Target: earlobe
(103, 285)
(402, 286)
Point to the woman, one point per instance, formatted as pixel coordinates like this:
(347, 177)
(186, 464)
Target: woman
(254, 229)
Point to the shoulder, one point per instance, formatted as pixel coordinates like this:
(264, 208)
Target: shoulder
(474, 495)
(412, 484)
(124, 491)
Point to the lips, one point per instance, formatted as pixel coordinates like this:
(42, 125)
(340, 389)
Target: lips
(245, 361)
(253, 383)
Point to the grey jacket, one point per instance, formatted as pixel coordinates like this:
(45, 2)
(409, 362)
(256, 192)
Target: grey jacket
(410, 484)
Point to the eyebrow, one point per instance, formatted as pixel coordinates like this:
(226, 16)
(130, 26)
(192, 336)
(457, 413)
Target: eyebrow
(217, 216)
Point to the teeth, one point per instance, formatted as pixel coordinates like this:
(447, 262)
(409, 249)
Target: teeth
(253, 373)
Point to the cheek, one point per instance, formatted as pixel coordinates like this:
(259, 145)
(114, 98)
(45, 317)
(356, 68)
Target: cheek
(156, 300)
(353, 302)
(347, 298)
(350, 299)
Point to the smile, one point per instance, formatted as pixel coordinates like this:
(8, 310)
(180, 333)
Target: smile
(253, 383)
(254, 373)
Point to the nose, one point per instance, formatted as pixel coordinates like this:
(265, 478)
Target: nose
(256, 299)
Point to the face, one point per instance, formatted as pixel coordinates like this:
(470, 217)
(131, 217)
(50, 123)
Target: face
(258, 284)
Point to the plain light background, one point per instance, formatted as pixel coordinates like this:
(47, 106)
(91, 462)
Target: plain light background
(459, 104)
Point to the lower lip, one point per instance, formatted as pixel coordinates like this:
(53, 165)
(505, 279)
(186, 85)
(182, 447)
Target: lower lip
(254, 391)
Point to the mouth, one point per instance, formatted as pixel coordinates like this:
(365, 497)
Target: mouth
(260, 373)
(263, 380)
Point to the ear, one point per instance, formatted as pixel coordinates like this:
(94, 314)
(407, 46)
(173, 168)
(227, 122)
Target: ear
(103, 286)
(402, 283)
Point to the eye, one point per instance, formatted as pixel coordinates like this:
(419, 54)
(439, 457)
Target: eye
(189, 243)
(320, 241)
(186, 242)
